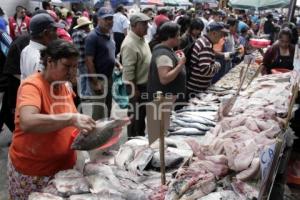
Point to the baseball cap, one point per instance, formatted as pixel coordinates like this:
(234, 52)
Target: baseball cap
(217, 26)
(105, 12)
(40, 22)
(139, 17)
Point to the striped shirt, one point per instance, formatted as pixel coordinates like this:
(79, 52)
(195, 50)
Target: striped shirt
(202, 65)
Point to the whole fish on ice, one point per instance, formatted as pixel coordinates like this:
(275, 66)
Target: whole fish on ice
(43, 196)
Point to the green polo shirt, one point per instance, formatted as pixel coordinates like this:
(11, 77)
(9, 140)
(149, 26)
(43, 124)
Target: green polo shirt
(136, 57)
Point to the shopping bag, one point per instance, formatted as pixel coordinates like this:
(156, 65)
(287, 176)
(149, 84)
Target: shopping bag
(119, 93)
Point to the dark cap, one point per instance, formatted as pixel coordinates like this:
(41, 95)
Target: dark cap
(42, 21)
(217, 26)
(105, 12)
(139, 17)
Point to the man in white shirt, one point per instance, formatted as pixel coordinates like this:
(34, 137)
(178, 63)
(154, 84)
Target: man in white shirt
(121, 24)
(42, 31)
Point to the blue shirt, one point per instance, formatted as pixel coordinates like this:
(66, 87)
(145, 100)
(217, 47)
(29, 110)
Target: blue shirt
(102, 48)
(242, 25)
(120, 23)
(3, 24)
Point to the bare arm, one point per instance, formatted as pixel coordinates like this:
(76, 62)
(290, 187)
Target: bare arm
(96, 85)
(33, 121)
(167, 74)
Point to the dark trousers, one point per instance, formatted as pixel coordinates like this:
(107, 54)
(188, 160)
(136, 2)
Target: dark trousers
(118, 37)
(7, 113)
(137, 109)
(100, 110)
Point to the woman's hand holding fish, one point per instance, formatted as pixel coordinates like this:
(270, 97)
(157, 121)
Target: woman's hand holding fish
(84, 122)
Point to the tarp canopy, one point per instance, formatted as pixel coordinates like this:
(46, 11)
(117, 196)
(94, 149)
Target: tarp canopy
(170, 2)
(152, 2)
(184, 2)
(258, 4)
(206, 1)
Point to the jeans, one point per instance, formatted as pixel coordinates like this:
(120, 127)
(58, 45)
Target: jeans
(84, 88)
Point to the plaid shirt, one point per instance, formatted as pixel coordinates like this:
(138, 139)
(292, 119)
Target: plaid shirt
(5, 41)
(79, 41)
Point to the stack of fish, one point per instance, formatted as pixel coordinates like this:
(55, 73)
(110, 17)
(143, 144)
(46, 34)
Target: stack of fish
(99, 181)
(193, 120)
(231, 80)
(132, 176)
(272, 92)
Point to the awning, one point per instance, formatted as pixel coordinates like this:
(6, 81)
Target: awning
(152, 2)
(206, 1)
(170, 2)
(184, 3)
(258, 4)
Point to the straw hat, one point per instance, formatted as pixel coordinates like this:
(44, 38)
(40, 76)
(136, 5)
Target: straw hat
(82, 21)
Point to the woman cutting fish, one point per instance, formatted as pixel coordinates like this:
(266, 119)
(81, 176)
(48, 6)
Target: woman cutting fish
(45, 118)
(280, 54)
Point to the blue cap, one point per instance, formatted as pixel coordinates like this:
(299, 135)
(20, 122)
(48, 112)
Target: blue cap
(217, 26)
(105, 12)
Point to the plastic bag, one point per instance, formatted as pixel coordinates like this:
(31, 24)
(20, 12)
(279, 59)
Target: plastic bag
(119, 93)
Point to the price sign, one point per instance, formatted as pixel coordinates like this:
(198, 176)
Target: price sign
(266, 159)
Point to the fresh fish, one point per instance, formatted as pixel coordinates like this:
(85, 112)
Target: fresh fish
(177, 189)
(136, 194)
(141, 160)
(208, 115)
(88, 196)
(70, 173)
(69, 186)
(244, 189)
(100, 135)
(43, 196)
(191, 125)
(99, 183)
(221, 195)
(187, 131)
(98, 196)
(197, 109)
(104, 171)
(153, 179)
(199, 190)
(124, 156)
(171, 160)
(196, 119)
(51, 189)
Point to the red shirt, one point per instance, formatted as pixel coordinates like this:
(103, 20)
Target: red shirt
(159, 19)
(16, 29)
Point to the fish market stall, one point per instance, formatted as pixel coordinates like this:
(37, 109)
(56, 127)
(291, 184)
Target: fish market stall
(237, 145)
(207, 156)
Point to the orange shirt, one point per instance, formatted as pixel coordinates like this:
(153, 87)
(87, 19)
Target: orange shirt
(42, 154)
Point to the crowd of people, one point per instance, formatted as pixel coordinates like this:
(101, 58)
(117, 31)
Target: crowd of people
(180, 53)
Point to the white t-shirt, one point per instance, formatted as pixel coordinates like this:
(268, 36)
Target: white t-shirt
(30, 61)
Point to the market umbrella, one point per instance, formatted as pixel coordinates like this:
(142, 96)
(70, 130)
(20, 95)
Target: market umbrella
(205, 1)
(184, 3)
(171, 2)
(153, 2)
(258, 4)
